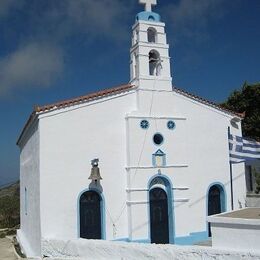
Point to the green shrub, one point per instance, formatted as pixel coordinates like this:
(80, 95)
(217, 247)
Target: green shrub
(9, 211)
(257, 181)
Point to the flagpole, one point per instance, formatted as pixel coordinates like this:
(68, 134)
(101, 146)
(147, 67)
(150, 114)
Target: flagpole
(231, 186)
(231, 177)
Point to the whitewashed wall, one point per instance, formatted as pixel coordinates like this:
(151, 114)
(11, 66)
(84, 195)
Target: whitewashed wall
(70, 139)
(30, 233)
(109, 129)
(196, 153)
(82, 249)
(235, 233)
(140, 56)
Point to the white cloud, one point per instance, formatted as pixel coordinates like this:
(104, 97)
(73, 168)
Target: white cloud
(31, 66)
(56, 23)
(190, 18)
(91, 18)
(100, 18)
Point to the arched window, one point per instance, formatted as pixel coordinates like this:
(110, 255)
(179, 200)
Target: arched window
(151, 35)
(216, 201)
(155, 66)
(135, 66)
(151, 18)
(135, 37)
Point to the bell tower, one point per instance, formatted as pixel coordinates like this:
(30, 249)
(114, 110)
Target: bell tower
(149, 53)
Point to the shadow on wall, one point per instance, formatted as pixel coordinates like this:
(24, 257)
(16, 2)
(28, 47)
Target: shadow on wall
(225, 185)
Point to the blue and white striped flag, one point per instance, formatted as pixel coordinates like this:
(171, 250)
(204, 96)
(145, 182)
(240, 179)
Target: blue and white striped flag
(242, 149)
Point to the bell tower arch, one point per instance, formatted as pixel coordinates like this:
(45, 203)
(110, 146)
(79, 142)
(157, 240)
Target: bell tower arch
(149, 53)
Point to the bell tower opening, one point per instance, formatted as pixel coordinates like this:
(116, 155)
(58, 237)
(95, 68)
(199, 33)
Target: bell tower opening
(155, 66)
(151, 35)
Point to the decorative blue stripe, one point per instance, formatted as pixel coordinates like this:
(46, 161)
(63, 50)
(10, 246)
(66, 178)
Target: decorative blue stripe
(185, 240)
(251, 152)
(145, 241)
(192, 238)
(244, 141)
(237, 156)
(123, 239)
(239, 148)
(244, 157)
(239, 139)
(257, 146)
(25, 201)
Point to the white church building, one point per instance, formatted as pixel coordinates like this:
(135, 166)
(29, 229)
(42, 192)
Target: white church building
(143, 162)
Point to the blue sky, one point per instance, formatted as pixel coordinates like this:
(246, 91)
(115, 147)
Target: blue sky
(52, 50)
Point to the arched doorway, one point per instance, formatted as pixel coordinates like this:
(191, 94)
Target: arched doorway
(90, 215)
(160, 212)
(216, 202)
(159, 217)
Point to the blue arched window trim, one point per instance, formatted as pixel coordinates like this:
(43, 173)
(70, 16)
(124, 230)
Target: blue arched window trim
(103, 212)
(223, 198)
(170, 197)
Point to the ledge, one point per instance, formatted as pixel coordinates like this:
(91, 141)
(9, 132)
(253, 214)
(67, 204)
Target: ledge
(247, 216)
(138, 202)
(156, 117)
(159, 167)
(146, 189)
(253, 195)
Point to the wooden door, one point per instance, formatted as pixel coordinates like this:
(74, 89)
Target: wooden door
(159, 220)
(214, 202)
(90, 215)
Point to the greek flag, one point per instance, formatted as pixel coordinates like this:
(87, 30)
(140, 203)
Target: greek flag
(242, 149)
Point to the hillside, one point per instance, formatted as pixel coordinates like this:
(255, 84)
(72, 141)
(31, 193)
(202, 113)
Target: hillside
(10, 206)
(10, 190)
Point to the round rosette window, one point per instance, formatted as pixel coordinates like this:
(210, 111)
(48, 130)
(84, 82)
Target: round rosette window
(171, 125)
(144, 124)
(158, 139)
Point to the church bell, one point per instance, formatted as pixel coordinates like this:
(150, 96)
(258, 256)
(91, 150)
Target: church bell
(95, 172)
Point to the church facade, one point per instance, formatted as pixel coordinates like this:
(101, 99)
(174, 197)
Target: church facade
(142, 162)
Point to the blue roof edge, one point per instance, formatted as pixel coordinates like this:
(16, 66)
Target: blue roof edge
(148, 16)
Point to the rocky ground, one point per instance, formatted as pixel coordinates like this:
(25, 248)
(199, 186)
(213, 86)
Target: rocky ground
(7, 249)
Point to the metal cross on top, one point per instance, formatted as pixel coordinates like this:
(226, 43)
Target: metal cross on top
(148, 4)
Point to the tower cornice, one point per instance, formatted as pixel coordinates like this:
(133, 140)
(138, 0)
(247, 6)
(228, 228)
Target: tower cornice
(144, 44)
(151, 23)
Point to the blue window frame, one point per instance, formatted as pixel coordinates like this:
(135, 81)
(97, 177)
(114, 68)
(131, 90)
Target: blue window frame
(25, 201)
(144, 124)
(159, 158)
(171, 125)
